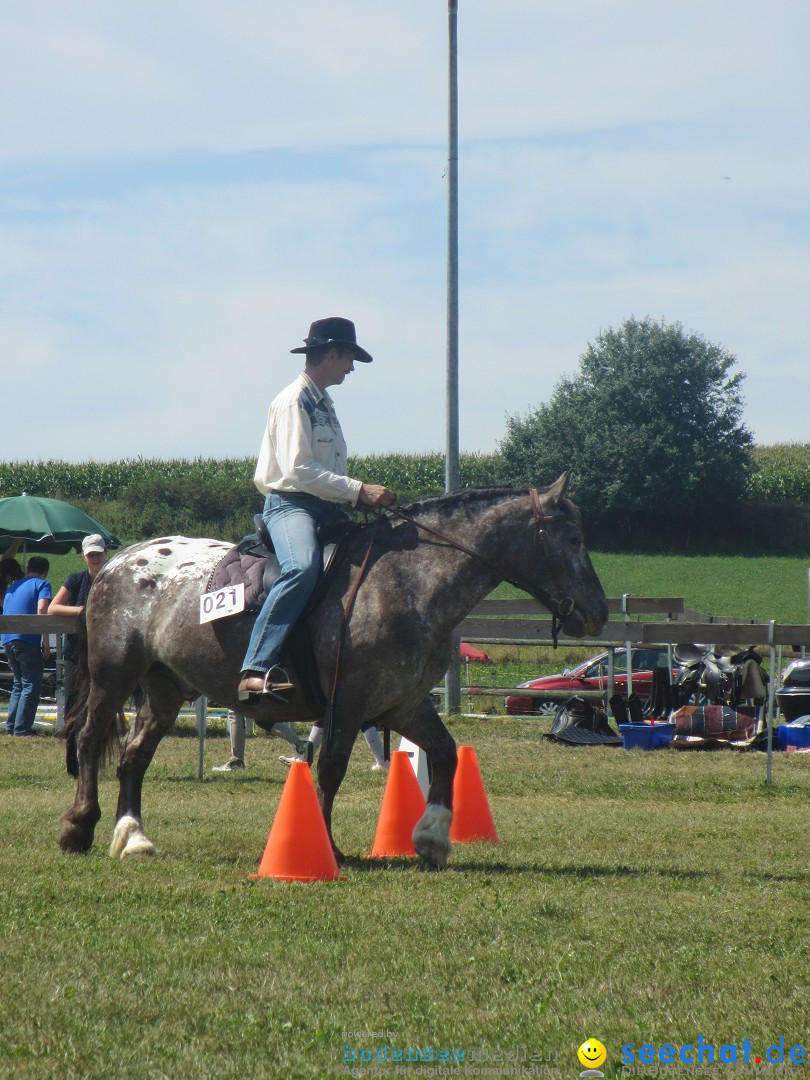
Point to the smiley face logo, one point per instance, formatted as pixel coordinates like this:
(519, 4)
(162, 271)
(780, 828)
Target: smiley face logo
(592, 1054)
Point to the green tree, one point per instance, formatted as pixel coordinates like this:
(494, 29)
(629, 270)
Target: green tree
(651, 428)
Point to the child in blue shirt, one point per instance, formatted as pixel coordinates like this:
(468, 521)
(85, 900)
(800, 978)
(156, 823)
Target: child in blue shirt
(26, 652)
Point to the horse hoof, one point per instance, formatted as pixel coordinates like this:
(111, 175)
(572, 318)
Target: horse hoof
(436, 860)
(141, 847)
(130, 839)
(77, 830)
(73, 840)
(431, 835)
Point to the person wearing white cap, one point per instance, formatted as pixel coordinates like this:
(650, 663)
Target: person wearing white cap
(70, 600)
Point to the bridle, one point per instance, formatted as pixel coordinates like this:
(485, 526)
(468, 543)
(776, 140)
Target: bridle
(560, 609)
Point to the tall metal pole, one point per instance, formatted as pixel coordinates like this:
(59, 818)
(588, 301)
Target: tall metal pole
(451, 479)
(452, 681)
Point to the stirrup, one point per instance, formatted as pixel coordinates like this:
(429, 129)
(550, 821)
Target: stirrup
(269, 689)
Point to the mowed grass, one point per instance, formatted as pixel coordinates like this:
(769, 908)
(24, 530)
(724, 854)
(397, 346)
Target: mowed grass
(753, 588)
(633, 898)
(759, 588)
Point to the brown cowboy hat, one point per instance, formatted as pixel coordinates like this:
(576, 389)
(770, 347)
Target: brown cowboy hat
(333, 333)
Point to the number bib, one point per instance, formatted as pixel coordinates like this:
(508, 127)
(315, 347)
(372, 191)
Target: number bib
(222, 602)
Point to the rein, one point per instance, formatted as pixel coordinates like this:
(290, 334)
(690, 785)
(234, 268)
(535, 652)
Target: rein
(560, 609)
(331, 712)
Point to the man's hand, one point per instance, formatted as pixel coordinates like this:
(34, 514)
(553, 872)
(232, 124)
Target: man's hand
(376, 495)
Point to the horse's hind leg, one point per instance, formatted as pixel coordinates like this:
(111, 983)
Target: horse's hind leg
(97, 733)
(161, 704)
(431, 834)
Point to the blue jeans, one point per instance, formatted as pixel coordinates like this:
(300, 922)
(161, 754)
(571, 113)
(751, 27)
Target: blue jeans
(25, 661)
(291, 519)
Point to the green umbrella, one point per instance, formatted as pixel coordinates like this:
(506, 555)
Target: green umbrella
(48, 525)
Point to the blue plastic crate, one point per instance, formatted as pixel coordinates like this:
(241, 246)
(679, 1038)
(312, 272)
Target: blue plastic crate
(646, 736)
(792, 736)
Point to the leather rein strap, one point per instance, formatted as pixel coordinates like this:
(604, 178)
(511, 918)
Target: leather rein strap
(331, 711)
(560, 609)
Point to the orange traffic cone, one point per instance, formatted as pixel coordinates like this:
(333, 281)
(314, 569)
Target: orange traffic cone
(402, 806)
(298, 847)
(472, 818)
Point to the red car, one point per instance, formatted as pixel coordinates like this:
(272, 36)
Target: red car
(593, 675)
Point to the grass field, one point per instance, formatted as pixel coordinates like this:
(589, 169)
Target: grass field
(759, 588)
(634, 898)
(755, 588)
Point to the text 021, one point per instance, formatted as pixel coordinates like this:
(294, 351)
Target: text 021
(222, 602)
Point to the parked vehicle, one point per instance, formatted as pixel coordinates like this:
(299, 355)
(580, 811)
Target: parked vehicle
(593, 675)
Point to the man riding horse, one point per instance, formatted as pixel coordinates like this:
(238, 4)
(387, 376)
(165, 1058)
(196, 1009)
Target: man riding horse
(301, 471)
(422, 570)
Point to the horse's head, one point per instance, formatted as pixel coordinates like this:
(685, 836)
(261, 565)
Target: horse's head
(560, 573)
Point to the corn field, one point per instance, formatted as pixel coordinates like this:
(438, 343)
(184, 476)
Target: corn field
(143, 497)
(781, 473)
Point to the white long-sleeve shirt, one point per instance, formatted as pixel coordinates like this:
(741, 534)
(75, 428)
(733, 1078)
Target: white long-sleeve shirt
(303, 448)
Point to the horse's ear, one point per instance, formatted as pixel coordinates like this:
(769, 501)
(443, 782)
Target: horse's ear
(557, 489)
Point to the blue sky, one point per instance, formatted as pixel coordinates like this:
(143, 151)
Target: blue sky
(185, 186)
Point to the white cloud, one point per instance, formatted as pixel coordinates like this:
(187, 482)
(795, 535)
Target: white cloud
(185, 187)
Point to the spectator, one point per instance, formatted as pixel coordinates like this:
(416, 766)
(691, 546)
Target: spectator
(370, 734)
(28, 596)
(71, 600)
(236, 730)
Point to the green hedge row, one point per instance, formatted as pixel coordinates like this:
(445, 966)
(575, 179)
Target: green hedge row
(100, 481)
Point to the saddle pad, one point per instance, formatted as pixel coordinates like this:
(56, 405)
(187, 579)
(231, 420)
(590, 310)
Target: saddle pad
(576, 722)
(577, 736)
(713, 721)
(241, 568)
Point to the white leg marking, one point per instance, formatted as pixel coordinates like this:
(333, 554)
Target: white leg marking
(431, 834)
(130, 839)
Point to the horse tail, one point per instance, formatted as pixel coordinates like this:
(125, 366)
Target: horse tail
(77, 717)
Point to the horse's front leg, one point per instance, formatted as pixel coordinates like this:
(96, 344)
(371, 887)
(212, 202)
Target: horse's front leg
(161, 704)
(431, 834)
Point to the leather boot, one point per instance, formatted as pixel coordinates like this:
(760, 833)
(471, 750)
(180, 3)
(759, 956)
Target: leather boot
(656, 704)
(635, 709)
(618, 707)
(666, 698)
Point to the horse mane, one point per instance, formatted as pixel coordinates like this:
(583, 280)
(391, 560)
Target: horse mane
(462, 498)
(469, 497)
